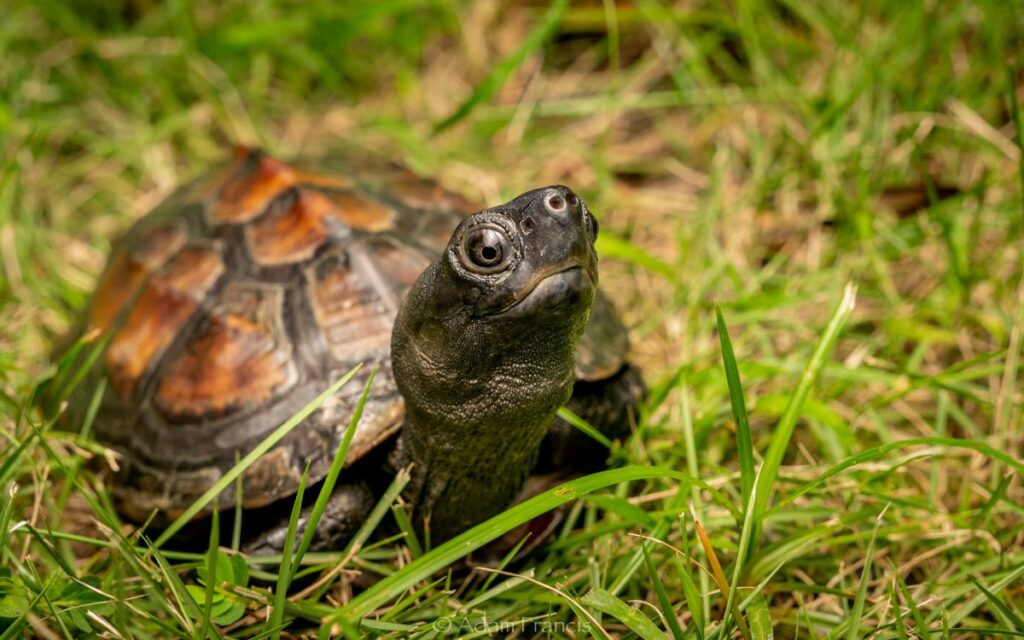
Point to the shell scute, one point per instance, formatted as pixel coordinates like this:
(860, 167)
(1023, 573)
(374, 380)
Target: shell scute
(238, 358)
(354, 315)
(295, 230)
(253, 179)
(248, 192)
(168, 300)
(127, 272)
(292, 233)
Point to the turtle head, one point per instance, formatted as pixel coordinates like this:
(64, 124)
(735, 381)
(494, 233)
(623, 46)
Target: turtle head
(483, 347)
(532, 255)
(513, 278)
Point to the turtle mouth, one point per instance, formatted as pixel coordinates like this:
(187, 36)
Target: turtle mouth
(563, 287)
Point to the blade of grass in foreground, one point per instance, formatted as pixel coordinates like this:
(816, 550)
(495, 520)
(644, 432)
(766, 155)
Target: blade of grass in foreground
(565, 414)
(251, 457)
(211, 570)
(332, 478)
(854, 621)
(663, 598)
(744, 444)
(878, 452)
(426, 565)
(284, 573)
(741, 556)
(787, 423)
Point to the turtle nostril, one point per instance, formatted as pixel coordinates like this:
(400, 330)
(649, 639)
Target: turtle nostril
(572, 199)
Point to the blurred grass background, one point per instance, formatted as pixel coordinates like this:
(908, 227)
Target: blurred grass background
(754, 154)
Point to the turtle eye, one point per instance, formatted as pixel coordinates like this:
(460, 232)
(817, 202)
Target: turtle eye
(486, 250)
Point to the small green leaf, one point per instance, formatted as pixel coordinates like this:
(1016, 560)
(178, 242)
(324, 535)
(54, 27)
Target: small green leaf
(198, 594)
(239, 570)
(228, 612)
(225, 570)
(14, 598)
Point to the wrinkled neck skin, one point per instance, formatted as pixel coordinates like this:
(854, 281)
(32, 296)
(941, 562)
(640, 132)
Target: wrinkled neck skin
(479, 397)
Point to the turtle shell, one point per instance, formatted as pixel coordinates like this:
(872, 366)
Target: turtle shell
(235, 302)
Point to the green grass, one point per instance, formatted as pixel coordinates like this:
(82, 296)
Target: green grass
(833, 466)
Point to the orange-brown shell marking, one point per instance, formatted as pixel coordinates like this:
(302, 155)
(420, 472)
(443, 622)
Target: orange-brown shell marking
(363, 214)
(207, 188)
(166, 303)
(247, 193)
(294, 234)
(127, 271)
(237, 358)
(245, 187)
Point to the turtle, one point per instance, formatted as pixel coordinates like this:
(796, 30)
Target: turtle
(236, 301)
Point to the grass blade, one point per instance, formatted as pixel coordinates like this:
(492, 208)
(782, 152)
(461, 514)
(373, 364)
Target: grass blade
(744, 443)
(878, 452)
(1011, 616)
(430, 562)
(211, 571)
(566, 414)
(853, 631)
(5, 518)
(637, 622)
(787, 423)
(285, 572)
(663, 599)
(719, 576)
(744, 545)
(331, 479)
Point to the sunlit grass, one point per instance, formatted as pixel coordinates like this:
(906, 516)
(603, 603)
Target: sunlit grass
(851, 464)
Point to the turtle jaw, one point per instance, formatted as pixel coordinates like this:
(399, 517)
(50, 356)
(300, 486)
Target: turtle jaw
(564, 290)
